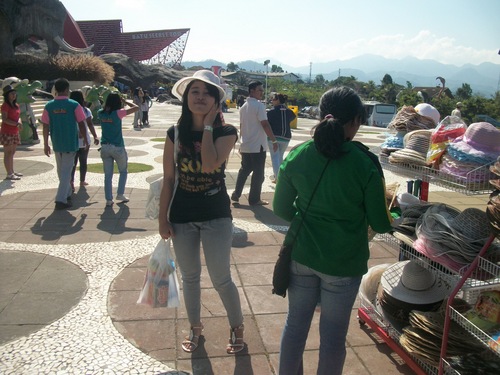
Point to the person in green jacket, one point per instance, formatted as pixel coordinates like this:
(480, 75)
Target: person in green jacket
(330, 248)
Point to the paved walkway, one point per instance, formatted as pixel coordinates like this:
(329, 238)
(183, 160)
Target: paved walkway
(69, 280)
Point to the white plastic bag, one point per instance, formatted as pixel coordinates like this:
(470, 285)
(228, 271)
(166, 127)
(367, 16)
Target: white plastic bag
(153, 202)
(161, 288)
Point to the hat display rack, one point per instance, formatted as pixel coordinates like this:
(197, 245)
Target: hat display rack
(478, 273)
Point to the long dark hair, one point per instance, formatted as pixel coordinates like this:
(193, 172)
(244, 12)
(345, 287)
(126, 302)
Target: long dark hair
(77, 96)
(6, 99)
(113, 102)
(337, 107)
(185, 123)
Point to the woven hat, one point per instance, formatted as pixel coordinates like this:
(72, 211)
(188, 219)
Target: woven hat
(493, 211)
(481, 140)
(408, 119)
(486, 312)
(409, 282)
(428, 110)
(416, 145)
(201, 75)
(370, 282)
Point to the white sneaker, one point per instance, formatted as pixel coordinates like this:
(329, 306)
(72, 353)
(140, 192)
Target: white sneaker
(122, 198)
(109, 203)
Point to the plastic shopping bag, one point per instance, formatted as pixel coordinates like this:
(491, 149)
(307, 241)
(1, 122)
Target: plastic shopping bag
(153, 202)
(161, 287)
(449, 128)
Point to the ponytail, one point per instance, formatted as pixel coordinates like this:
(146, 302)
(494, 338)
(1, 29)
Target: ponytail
(329, 138)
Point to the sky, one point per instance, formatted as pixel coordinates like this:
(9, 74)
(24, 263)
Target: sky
(299, 32)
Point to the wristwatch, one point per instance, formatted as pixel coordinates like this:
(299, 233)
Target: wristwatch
(208, 128)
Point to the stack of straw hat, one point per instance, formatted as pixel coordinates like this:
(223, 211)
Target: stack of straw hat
(421, 117)
(493, 207)
(464, 157)
(416, 145)
(407, 286)
(453, 238)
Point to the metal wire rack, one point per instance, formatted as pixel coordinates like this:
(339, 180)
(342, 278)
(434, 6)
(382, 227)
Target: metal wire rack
(475, 182)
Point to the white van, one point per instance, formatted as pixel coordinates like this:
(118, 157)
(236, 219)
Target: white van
(379, 114)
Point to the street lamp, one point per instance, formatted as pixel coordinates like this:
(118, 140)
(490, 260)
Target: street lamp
(266, 64)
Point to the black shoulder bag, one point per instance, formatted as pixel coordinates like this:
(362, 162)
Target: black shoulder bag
(281, 273)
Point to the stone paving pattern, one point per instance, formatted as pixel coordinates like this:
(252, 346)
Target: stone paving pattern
(69, 280)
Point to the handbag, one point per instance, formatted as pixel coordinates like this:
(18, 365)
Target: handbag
(281, 273)
(153, 201)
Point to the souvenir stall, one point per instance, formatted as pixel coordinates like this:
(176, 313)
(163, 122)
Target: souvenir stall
(438, 308)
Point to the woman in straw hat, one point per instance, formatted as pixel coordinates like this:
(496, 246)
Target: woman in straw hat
(9, 132)
(199, 205)
(330, 247)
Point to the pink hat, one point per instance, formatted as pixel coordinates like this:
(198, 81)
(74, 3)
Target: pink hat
(481, 139)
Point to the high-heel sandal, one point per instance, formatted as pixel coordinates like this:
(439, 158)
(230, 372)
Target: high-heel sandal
(190, 343)
(236, 343)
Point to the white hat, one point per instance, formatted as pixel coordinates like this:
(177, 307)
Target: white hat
(409, 282)
(201, 75)
(428, 110)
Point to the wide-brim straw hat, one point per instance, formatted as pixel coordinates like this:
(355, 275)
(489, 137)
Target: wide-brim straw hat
(409, 282)
(493, 212)
(481, 140)
(371, 281)
(416, 145)
(206, 76)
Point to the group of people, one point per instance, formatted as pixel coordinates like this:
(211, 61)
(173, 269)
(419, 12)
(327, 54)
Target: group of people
(67, 122)
(330, 252)
(143, 101)
(330, 187)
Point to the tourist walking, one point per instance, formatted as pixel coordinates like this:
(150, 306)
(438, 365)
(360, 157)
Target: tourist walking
(9, 131)
(255, 130)
(112, 145)
(83, 151)
(341, 186)
(63, 120)
(280, 118)
(197, 208)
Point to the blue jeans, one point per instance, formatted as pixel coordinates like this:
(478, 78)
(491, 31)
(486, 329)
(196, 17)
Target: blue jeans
(216, 236)
(110, 154)
(65, 162)
(337, 295)
(277, 157)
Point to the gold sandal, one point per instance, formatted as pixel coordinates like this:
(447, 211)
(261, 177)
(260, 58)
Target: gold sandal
(236, 343)
(190, 343)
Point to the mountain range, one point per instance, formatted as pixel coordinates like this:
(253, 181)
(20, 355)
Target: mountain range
(484, 79)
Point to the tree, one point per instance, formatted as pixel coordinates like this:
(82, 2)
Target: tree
(319, 80)
(232, 67)
(277, 69)
(387, 80)
(464, 92)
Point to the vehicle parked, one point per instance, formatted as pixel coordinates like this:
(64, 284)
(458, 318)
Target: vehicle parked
(489, 119)
(379, 114)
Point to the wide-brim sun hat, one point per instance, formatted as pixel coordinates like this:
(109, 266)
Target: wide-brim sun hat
(409, 282)
(201, 75)
(416, 145)
(481, 139)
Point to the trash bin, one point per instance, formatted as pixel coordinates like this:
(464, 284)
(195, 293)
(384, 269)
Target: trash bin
(295, 110)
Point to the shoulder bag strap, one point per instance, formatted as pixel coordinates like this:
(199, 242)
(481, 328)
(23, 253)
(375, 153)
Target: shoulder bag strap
(176, 170)
(310, 200)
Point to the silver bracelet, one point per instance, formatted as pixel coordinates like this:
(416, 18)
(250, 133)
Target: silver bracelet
(208, 128)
